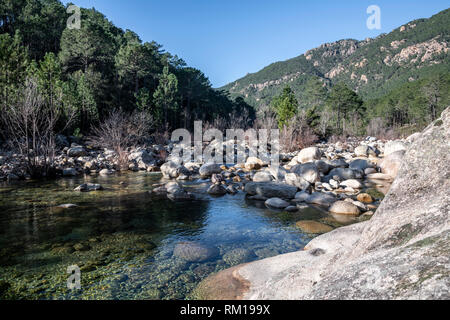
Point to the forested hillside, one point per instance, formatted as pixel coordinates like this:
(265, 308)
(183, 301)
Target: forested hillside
(402, 76)
(97, 69)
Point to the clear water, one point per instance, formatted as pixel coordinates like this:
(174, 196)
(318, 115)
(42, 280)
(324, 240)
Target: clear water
(128, 236)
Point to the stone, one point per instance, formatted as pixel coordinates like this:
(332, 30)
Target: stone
(360, 164)
(344, 174)
(208, 169)
(301, 196)
(217, 190)
(320, 198)
(262, 176)
(291, 209)
(394, 146)
(141, 157)
(313, 227)
(352, 183)
(344, 207)
(67, 206)
(270, 190)
(277, 203)
(105, 172)
(170, 170)
(253, 163)
(365, 198)
(296, 180)
(70, 172)
(362, 151)
(309, 155)
(307, 172)
(194, 252)
(77, 151)
(391, 164)
(88, 187)
(322, 166)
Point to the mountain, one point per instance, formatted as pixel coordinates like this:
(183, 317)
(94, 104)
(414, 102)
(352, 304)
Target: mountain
(372, 67)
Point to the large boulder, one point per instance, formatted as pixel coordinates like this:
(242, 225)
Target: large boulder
(270, 190)
(307, 171)
(309, 155)
(401, 253)
(208, 169)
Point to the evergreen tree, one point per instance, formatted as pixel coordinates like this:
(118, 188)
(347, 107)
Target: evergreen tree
(286, 106)
(165, 95)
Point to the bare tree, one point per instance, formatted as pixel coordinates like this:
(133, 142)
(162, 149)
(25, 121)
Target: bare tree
(29, 126)
(121, 131)
(326, 118)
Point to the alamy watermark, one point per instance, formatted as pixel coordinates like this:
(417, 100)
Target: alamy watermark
(374, 21)
(74, 280)
(74, 21)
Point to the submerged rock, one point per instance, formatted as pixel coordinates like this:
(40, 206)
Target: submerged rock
(344, 207)
(88, 187)
(313, 227)
(194, 252)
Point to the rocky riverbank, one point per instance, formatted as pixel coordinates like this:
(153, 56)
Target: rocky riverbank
(401, 253)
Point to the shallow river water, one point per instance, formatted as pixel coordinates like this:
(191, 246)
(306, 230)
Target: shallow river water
(123, 238)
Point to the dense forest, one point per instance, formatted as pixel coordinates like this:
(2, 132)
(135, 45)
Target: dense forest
(88, 73)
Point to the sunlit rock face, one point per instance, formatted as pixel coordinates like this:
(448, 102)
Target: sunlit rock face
(401, 253)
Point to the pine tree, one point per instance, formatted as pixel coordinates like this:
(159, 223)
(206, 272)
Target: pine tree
(286, 106)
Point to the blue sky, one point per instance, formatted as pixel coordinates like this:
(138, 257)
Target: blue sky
(227, 39)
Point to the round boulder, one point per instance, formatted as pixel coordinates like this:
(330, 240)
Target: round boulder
(344, 207)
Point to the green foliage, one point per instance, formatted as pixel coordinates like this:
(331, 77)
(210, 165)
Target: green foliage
(99, 68)
(164, 97)
(13, 65)
(285, 106)
(346, 102)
